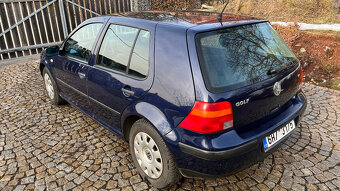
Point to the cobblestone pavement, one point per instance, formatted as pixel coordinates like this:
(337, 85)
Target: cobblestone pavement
(59, 148)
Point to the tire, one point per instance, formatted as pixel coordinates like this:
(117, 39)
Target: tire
(146, 156)
(51, 88)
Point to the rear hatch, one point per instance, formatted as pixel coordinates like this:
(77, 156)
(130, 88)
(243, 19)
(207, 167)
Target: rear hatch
(251, 67)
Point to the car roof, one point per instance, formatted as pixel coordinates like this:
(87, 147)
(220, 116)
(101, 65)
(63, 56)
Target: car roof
(189, 19)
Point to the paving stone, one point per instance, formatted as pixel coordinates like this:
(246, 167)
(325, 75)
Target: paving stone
(306, 172)
(61, 181)
(69, 186)
(123, 183)
(135, 179)
(336, 183)
(27, 180)
(297, 187)
(93, 177)
(99, 184)
(141, 186)
(79, 180)
(87, 173)
(87, 163)
(286, 182)
(19, 188)
(111, 184)
(105, 177)
(45, 147)
(311, 180)
(86, 184)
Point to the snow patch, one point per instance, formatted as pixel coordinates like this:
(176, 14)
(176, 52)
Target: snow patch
(306, 26)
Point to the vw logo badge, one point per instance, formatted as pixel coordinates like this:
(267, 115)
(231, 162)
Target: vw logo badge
(277, 89)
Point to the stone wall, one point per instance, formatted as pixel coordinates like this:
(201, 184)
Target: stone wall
(146, 5)
(141, 5)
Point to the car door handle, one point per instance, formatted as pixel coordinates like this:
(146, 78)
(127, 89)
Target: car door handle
(127, 93)
(81, 75)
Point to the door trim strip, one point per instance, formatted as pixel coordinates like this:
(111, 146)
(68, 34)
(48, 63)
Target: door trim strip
(94, 100)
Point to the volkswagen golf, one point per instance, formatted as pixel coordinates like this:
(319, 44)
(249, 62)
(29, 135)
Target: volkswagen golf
(193, 93)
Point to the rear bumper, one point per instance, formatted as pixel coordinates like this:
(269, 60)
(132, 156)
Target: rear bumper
(217, 155)
(227, 153)
(224, 163)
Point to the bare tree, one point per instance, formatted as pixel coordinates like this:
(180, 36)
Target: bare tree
(317, 3)
(337, 5)
(238, 6)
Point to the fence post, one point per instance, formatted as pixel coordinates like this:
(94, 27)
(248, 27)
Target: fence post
(131, 5)
(63, 18)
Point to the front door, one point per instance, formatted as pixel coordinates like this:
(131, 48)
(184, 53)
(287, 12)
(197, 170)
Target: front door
(72, 65)
(121, 72)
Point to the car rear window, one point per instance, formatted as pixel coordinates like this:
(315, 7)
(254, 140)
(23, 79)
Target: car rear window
(236, 57)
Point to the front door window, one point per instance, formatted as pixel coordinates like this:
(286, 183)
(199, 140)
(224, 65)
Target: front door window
(79, 45)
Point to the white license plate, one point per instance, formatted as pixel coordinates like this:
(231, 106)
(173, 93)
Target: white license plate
(278, 135)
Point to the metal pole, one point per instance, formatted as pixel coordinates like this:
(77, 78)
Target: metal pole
(29, 47)
(83, 8)
(24, 19)
(63, 18)
(131, 5)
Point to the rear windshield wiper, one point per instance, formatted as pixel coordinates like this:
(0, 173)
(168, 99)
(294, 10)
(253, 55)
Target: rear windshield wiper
(290, 66)
(271, 72)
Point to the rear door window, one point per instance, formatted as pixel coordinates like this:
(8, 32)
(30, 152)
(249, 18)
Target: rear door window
(236, 57)
(139, 65)
(116, 47)
(125, 50)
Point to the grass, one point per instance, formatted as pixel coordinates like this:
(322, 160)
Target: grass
(335, 34)
(334, 84)
(330, 69)
(288, 10)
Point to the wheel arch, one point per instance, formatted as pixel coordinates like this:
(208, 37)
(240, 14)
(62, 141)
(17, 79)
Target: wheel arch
(150, 113)
(41, 68)
(43, 64)
(127, 124)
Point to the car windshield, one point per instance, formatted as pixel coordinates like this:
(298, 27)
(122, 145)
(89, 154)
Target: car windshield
(236, 57)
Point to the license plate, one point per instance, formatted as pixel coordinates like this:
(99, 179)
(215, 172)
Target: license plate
(278, 135)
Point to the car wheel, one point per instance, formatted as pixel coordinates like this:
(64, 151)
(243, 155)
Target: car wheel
(151, 156)
(51, 88)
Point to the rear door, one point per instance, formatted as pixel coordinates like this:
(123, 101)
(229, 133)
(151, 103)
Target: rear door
(121, 73)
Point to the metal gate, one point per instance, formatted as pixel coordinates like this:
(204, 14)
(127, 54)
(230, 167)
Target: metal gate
(27, 26)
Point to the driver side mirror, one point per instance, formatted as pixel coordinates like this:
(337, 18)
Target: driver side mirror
(52, 51)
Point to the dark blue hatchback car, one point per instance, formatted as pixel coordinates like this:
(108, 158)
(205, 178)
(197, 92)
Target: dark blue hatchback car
(193, 95)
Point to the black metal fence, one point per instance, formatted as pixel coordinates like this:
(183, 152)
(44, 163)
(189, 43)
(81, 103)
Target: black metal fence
(27, 26)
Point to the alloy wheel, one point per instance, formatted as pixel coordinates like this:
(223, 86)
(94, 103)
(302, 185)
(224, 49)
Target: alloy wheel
(49, 86)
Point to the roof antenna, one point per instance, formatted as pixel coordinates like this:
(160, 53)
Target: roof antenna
(219, 17)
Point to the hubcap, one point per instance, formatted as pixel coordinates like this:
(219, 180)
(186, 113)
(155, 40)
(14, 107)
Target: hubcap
(49, 86)
(148, 156)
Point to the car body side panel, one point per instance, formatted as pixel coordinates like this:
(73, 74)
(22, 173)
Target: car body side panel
(149, 112)
(173, 89)
(105, 86)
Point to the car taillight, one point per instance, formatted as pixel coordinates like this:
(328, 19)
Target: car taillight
(209, 117)
(301, 78)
